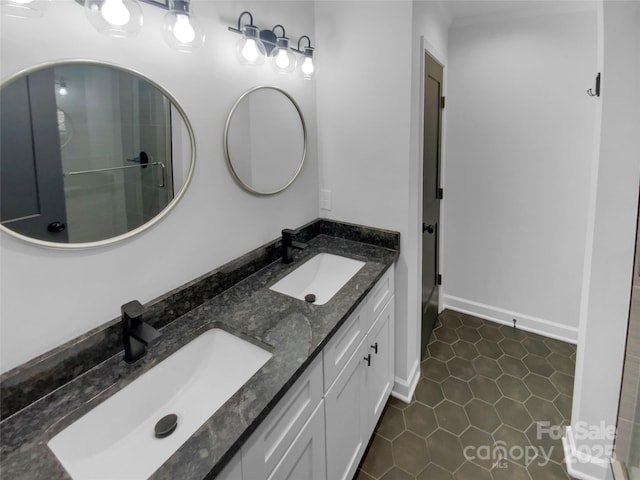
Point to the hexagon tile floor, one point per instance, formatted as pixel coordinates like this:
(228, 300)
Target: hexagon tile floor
(490, 405)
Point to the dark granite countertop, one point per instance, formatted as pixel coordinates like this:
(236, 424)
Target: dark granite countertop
(295, 331)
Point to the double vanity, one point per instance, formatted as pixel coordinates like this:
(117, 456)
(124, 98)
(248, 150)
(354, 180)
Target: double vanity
(276, 365)
(253, 378)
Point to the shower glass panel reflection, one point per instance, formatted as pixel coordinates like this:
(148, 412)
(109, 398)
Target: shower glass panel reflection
(115, 139)
(627, 444)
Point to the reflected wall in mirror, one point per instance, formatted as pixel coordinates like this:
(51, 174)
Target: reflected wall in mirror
(265, 140)
(90, 154)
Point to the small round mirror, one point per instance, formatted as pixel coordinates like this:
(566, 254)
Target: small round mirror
(265, 140)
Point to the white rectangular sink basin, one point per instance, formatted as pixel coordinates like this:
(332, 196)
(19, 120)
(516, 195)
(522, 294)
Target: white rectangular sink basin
(116, 440)
(323, 275)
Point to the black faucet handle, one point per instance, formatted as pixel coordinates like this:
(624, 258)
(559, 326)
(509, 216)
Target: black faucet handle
(133, 310)
(298, 245)
(144, 333)
(289, 231)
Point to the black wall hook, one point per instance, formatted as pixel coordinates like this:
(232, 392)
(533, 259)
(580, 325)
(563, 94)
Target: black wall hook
(590, 92)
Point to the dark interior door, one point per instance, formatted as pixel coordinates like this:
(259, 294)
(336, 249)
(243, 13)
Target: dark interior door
(431, 194)
(32, 190)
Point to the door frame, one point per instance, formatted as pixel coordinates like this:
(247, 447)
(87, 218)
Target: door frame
(427, 47)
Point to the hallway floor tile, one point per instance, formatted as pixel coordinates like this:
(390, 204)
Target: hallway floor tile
(490, 404)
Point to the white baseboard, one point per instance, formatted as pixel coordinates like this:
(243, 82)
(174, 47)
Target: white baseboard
(500, 315)
(403, 388)
(581, 465)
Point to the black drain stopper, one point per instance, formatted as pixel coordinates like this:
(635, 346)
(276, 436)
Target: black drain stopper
(166, 425)
(310, 297)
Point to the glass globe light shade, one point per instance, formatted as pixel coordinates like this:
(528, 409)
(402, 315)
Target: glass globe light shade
(307, 66)
(24, 8)
(118, 18)
(250, 50)
(181, 30)
(282, 58)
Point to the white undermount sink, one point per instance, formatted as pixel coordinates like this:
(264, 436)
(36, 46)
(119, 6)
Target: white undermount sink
(323, 275)
(116, 440)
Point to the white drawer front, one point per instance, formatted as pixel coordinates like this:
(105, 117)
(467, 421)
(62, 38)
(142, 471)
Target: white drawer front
(380, 295)
(342, 345)
(270, 441)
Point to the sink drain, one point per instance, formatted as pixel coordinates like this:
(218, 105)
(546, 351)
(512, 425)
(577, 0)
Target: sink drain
(310, 297)
(166, 425)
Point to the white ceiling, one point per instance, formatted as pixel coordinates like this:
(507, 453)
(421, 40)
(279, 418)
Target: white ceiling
(461, 11)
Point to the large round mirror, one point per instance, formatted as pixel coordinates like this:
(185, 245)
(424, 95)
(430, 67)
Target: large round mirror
(265, 140)
(90, 154)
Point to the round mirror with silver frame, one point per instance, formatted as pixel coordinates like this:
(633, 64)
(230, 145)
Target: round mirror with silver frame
(116, 170)
(265, 140)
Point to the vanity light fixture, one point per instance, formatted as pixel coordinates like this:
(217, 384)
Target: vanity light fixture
(181, 31)
(118, 18)
(281, 57)
(250, 49)
(123, 18)
(256, 44)
(306, 66)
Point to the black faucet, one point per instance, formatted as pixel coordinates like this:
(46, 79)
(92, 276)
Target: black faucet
(136, 334)
(288, 245)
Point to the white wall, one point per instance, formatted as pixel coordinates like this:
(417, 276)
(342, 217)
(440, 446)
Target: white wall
(50, 296)
(363, 93)
(610, 244)
(518, 153)
(369, 121)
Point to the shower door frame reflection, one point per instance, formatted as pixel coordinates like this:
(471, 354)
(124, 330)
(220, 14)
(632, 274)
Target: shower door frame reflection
(128, 121)
(626, 461)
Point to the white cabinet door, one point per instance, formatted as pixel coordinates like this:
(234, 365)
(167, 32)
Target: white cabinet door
(305, 459)
(379, 374)
(266, 446)
(344, 411)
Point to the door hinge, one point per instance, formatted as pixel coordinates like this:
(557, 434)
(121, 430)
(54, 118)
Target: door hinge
(440, 194)
(442, 102)
(439, 279)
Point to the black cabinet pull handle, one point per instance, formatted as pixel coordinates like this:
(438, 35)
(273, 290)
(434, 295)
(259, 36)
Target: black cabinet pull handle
(375, 348)
(427, 228)
(368, 359)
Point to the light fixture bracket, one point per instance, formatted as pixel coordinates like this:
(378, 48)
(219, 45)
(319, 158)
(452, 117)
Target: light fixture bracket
(284, 34)
(179, 6)
(268, 39)
(239, 28)
(158, 3)
(307, 51)
(164, 4)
